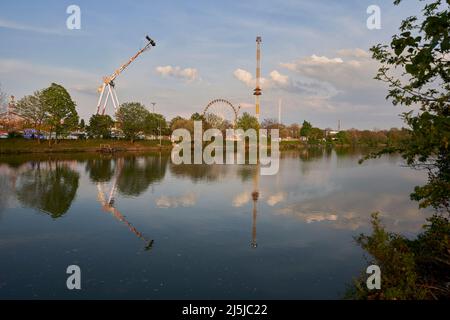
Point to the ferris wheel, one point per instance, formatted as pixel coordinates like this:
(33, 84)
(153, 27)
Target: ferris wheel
(221, 113)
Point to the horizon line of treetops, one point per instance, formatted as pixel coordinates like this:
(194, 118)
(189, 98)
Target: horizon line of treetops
(53, 110)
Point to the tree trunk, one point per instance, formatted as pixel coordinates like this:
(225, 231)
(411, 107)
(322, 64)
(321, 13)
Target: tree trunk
(38, 133)
(50, 137)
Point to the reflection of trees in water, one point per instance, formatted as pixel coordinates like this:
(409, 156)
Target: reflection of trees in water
(100, 169)
(310, 154)
(138, 173)
(212, 173)
(247, 172)
(201, 172)
(5, 187)
(49, 187)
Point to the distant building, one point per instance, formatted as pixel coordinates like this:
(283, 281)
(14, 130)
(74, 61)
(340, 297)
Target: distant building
(330, 132)
(10, 120)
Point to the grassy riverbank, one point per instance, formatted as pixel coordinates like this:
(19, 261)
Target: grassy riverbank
(19, 145)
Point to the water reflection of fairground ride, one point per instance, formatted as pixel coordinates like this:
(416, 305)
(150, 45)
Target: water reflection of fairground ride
(255, 197)
(221, 113)
(108, 202)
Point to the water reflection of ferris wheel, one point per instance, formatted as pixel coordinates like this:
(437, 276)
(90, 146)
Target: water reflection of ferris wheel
(221, 113)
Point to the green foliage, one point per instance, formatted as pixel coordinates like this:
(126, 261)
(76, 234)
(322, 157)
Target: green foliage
(100, 126)
(247, 121)
(136, 177)
(60, 108)
(421, 52)
(342, 137)
(50, 190)
(315, 136)
(155, 123)
(419, 268)
(197, 117)
(14, 134)
(306, 129)
(410, 269)
(100, 169)
(132, 119)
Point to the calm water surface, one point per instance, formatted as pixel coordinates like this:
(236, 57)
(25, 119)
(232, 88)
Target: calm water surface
(141, 227)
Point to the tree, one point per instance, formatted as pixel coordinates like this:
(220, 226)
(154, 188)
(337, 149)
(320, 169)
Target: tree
(100, 126)
(342, 137)
(137, 176)
(411, 269)
(81, 125)
(174, 120)
(33, 110)
(416, 67)
(270, 124)
(100, 169)
(213, 120)
(306, 129)
(315, 135)
(197, 117)
(284, 132)
(155, 124)
(50, 188)
(181, 123)
(62, 115)
(132, 119)
(294, 130)
(247, 121)
(421, 51)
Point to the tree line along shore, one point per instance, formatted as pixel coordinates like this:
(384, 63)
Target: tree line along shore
(49, 118)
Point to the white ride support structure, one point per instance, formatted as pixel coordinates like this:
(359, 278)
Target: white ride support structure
(109, 85)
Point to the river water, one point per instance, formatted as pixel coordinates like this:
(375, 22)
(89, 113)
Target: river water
(141, 227)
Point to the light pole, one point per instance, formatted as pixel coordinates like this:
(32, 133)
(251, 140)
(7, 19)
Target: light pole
(160, 137)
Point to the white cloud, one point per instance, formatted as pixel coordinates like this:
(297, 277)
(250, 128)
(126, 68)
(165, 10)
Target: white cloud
(189, 74)
(276, 198)
(278, 78)
(186, 200)
(352, 69)
(241, 199)
(309, 217)
(244, 76)
(280, 81)
(7, 24)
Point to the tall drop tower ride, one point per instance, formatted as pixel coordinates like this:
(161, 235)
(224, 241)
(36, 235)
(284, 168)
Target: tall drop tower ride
(257, 92)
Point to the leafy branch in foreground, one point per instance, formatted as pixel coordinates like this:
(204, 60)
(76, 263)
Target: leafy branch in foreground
(411, 269)
(416, 67)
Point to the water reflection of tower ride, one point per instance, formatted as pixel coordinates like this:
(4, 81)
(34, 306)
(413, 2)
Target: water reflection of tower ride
(108, 204)
(255, 197)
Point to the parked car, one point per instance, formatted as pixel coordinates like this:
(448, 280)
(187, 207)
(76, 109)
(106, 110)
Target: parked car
(32, 134)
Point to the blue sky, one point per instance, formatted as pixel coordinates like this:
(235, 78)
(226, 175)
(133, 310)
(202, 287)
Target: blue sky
(314, 55)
